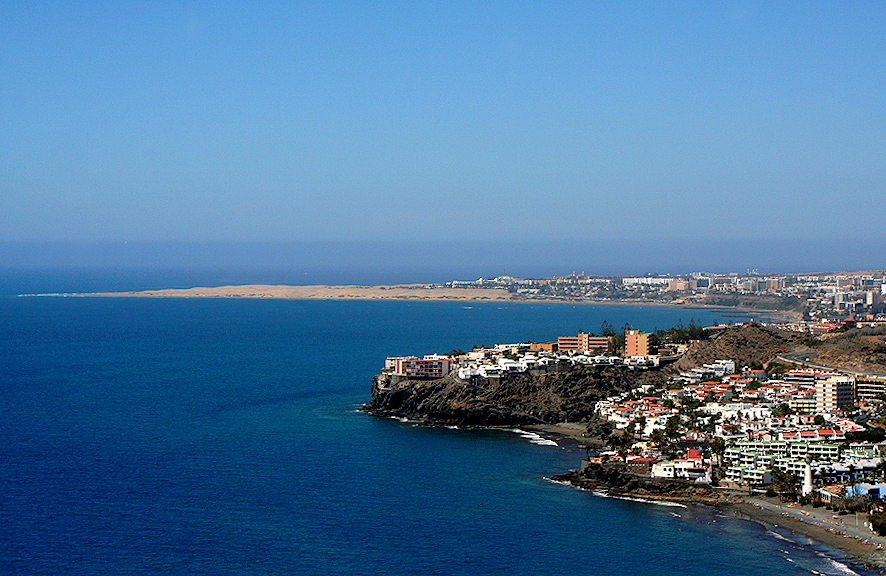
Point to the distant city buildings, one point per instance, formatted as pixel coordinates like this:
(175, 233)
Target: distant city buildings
(819, 297)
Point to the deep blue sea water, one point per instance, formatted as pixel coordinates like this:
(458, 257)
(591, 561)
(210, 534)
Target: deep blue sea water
(165, 436)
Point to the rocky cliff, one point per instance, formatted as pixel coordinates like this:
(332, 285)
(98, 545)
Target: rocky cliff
(562, 394)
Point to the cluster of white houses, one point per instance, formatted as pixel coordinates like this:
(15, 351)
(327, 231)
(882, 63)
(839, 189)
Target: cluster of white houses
(508, 358)
(747, 411)
(804, 391)
(491, 364)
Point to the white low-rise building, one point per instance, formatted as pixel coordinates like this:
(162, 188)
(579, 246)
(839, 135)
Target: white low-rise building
(741, 475)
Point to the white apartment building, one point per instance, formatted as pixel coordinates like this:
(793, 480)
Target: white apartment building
(833, 392)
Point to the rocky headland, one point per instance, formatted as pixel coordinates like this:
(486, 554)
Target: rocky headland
(563, 392)
(557, 394)
(615, 480)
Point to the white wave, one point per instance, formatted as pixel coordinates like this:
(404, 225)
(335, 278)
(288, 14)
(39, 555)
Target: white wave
(564, 483)
(542, 442)
(842, 568)
(838, 567)
(533, 437)
(779, 536)
(641, 500)
(603, 494)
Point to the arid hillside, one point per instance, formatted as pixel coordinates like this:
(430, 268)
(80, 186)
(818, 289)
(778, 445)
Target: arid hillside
(860, 350)
(748, 343)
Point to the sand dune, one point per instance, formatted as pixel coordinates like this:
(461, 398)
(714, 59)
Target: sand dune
(397, 292)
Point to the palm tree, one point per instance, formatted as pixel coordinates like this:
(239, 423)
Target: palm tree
(658, 438)
(718, 447)
(850, 485)
(622, 452)
(784, 483)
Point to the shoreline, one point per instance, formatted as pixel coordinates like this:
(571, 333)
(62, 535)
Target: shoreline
(814, 524)
(402, 292)
(857, 545)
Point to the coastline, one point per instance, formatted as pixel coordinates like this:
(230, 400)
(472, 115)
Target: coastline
(405, 292)
(814, 525)
(817, 525)
(325, 292)
(849, 544)
(859, 543)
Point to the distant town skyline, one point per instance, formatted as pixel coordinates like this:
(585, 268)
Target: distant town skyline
(617, 133)
(379, 262)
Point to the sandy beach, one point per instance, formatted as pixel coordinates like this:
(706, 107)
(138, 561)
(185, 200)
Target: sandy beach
(420, 292)
(847, 533)
(425, 292)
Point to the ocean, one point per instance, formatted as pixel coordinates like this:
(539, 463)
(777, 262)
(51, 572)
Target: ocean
(178, 436)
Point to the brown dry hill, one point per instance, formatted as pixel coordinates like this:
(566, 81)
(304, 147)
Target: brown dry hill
(861, 350)
(747, 343)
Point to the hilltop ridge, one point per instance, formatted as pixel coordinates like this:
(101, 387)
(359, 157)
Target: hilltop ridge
(747, 343)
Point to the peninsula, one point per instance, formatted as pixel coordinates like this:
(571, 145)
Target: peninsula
(819, 297)
(323, 292)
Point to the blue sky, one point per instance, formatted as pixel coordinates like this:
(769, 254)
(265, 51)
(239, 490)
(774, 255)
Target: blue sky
(423, 122)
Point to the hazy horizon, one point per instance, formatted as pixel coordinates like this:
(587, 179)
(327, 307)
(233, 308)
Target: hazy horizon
(435, 262)
(534, 138)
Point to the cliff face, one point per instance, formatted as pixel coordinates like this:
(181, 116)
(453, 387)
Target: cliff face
(562, 394)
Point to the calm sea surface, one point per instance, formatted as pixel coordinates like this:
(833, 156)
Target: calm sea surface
(153, 436)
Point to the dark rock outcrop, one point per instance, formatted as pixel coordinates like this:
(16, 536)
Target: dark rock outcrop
(615, 480)
(561, 394)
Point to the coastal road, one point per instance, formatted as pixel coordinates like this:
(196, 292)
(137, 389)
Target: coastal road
(807, 360)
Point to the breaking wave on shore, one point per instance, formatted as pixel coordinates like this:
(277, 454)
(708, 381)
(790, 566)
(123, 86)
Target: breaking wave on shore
(533, 437)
